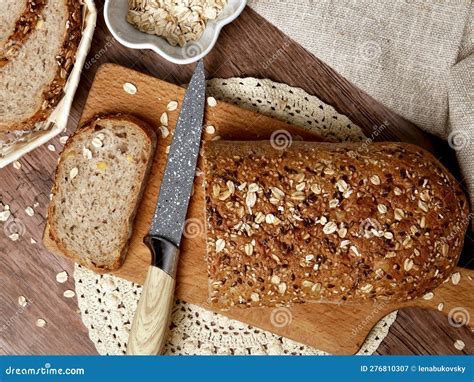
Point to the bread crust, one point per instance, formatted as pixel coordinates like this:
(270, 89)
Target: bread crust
(53, 92)
(51, 239)
(350, 222)
(26, 23)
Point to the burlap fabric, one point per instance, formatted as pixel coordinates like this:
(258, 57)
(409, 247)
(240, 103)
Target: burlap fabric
(414, 56)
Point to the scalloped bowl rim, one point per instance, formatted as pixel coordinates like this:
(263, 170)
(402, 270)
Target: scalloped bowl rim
(219, 24)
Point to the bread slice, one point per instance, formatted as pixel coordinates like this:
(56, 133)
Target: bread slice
(18, 19)
(32, 83)
(99, 184)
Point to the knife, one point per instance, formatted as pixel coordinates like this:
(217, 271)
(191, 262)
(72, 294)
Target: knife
(150, 324)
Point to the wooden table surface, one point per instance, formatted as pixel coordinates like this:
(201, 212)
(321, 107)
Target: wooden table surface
(244, 49)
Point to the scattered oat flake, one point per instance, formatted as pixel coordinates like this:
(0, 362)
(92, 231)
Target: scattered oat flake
(428, 296)
(167, 150)
(211, 101)
(22, 301)
(129, 88)
(29, 211)
(455, 278)
(14, 236)
(40, 323)
(69, 293)
(4, 215)
(459, 345)
(63, 139)
(32, 241)
(51, 148)
(210, 129)
(62, 277)
(16, 165)
(172, 106)
(164, 119)
(440, 306)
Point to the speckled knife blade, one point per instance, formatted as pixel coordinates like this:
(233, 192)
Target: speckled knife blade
(175, 192)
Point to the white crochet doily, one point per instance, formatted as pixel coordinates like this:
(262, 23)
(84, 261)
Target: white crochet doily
(107, 303)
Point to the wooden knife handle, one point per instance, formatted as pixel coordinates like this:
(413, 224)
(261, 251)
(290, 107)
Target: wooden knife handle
(151, 321)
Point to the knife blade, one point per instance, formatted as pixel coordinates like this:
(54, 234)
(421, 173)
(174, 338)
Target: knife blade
(149, 327)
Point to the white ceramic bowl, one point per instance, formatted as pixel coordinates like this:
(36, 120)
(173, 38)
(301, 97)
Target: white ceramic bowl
(115, 13)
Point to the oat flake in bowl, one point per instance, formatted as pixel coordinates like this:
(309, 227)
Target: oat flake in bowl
(178, 21)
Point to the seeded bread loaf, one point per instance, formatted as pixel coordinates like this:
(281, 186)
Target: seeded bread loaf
(18, 19)
(31, 84)
(322, 222)
(99, 183)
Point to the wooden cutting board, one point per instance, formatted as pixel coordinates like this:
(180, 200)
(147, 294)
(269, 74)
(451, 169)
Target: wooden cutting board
(334, 328)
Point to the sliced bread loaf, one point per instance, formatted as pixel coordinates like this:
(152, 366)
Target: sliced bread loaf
(99, 183)
(18, 19)
(31, 84)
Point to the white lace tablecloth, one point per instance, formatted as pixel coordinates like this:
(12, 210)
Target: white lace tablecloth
(108, 303)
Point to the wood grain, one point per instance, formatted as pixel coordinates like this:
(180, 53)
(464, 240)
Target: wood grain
(339, 329)
(150, 324)
(242, 50)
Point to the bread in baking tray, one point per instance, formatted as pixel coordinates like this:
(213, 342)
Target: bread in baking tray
(325, 222)
(18, 19)
(98, 186)
(32, 82)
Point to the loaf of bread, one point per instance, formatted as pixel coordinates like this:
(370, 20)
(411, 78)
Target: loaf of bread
(99, 183)
(323, 222)
(35, 71)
